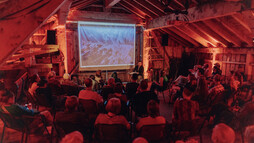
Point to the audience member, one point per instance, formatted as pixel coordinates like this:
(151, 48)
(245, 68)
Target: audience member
(99, 79)
(185, 109)
(206, 70)
(131, 87)
(108, 89)
(44, 90)
(33, 81)
(223, 134)
(163, 82)
(141, 99)
(95, 85)
(114, 75)
(89, 94)
(73, 137)
(153, 118)
(113, 108)
(249, 134)
(216, 69)
(6, 98)
(75, 79)
(67, 80)
(139, 140)
(54, 84)
(217, 88)
(140, 69)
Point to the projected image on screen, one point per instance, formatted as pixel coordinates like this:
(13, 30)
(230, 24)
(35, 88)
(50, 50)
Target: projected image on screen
(104, 44)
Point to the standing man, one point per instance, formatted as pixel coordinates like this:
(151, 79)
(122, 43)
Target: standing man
(140, 70)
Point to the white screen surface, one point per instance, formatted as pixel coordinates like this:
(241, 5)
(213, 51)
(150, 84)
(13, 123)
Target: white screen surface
(106, 46)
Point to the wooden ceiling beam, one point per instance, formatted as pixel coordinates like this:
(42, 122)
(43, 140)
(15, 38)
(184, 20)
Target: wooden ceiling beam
(110, 3)
(133, 9)
(218, 28)
(238, 17)
(17, 27)
(144, 10)
(231, 27)
(157, 4)
(195, 14)
(193, 35)
(184, 36)
(85, 4)
(177, 38)
(149, 7)
(63, 12)
(74, 4)
(203, 35)
(205, 29)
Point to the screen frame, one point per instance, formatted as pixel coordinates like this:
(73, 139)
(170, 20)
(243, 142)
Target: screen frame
(105, 67)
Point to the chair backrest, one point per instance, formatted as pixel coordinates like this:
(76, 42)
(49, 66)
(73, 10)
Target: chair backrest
(12, 122)
(89, 106)
(153, 132)
(64, 128)
(70, 90)
(42, 100)
(111, 133)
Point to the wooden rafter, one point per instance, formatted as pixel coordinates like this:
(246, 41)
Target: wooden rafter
(186, 37)
(218, 28)
(150, 7)
(141, 8)
(205, 29)
(177, 38)
(199, 14)
(133, 9)
(157, 4)
(231, 27)
(110, 3)
(85, 4)
(74, 4)
(63, 12)
(242, 21)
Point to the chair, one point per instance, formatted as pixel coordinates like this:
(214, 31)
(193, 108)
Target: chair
(153, 133)
(19, 124)
(70, 90)
(111, 133)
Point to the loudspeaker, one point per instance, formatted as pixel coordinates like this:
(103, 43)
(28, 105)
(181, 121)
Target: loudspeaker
(51, 37)
(164, 40)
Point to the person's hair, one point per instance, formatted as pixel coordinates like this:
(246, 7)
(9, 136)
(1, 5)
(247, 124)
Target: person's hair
(73, 137)
(92, 77)
(223, 134)
(191, 76)
(134, 76)
(201, 71)
(153, 109)
(249, 134)
(71, 103)
(139, 140)
(74, 75)
(66, 76)
(114, 74)
(98, 73)
(111, 81)
(143, 84)
(88, 82)
(51, 74)
(217, 78)
(237, 76)
(118, 88)
(206, 65)
(113, 105)
(32, 79)
(42, 82)
(188, 90)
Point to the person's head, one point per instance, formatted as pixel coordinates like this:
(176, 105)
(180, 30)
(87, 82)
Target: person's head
(223, 134)
(66, 76)
(98, 73)
(88, 82)
(92, 77)
(163, 73)
(188, 91)
(111, 81)
(71, 103)
(217, 65)
(217, 78)
(118, 88)
(51, 75)
(139, 140)
(153, 109)
(139, 63)
(143, 85)
(134, 77)
(42, 83)
(249, 134)
(73, 137)
(74, 78)
(205, 66)
(113, 106)
(114, 75)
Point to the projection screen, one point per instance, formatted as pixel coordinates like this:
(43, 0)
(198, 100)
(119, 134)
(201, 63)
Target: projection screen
(106, 46)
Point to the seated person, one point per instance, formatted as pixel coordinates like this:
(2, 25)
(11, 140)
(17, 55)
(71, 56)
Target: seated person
(223, 134)
(131, 87)
(32, 83)
(44, 90)
(153, 118)
(36, 125)
(71, 115)
(68, 86)
(163, 83)
(54, 84)
(6, 98)
(139, 140)
(95, 86)
(185, 109)
(89, 94)
(73, 137)
(75, 79)
(141, 99)
(249, 134)
(217, 88)
(107, 89)
(114, 75)
(113, 108)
